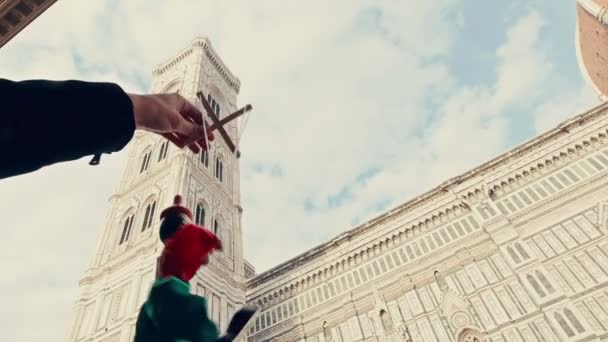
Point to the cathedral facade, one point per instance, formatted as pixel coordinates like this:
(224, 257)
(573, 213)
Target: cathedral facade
(123, 266)
(515, 250)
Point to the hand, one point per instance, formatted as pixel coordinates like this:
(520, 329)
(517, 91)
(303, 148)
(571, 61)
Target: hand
(173, 117)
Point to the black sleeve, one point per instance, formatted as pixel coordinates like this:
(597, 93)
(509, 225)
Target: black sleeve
(45, 122)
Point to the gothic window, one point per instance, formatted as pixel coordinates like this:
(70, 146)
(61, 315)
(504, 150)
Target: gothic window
(205, 158)
(126, 230)
(387, 322)
(431, 243)
(514, 256)
(145, 162)
(331, 289)
(216, 227)
(383, 264)
(357, 279)
(535, 285)
(164, 147)
(470, 337)
(438, 239)
(444, 235)
(376, 269)
(219, 169)
(546, 284)
(326, 332)
(562, 323)
(396, 259)
(214, 105)
(451, 231)
(577, 324)
(148, 216)
(522, 251)
(199, 218)
(459, 229)
(410, 253)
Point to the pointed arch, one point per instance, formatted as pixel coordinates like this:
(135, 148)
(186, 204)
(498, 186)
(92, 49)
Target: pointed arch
(575, 322)
(164, 148)
(535, 285)
(149, 213)
(216, 99)
(199, 214)
(126, 224)
(543, 280)
(562, 323)
(145, 159)
(386, 320)
(514, 256)
(219, 167)
(522, 251)
(173, 86)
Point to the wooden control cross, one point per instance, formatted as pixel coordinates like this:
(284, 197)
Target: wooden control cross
(218, 124)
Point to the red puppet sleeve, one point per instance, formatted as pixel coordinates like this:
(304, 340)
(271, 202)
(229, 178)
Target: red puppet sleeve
(185, 252)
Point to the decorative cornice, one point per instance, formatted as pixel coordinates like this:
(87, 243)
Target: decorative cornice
(532, 145)
(15, 15)
(211, 54)
(596, 10)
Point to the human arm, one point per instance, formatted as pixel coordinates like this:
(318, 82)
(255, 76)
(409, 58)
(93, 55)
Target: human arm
(45, 122)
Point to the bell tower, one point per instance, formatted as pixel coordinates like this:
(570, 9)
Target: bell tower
(123, 266)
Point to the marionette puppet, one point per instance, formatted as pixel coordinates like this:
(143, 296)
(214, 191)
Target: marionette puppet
(171, 313)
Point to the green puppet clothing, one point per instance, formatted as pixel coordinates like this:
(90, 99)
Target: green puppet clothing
(173, 314)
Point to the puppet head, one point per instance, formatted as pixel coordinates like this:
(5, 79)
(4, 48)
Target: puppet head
(173, 218)
(186, 251)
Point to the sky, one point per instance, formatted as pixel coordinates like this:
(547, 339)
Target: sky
(359, 105)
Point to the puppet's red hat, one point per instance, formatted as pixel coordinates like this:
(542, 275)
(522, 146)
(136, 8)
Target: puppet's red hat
(176, 209)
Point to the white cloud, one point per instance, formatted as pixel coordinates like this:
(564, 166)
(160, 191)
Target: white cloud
(333, 97)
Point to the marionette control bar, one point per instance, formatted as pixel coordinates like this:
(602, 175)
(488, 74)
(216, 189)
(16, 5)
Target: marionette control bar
(218, 124)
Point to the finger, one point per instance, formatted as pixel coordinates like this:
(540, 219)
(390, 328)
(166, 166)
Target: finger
(202, 144)
(191, 145)
(188, 111)
(188, 130)
(174, 139)
(194, 148)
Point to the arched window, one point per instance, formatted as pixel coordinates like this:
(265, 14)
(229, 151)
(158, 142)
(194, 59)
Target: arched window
(219, 169)
(148, 216)
(562, 323)
(326, 332)
(514, 256)
(545, 282)
(205, 158)
(126, 229)
(164, 147)
(145, 162)
(535, 285)
(387, 322)
(522, 251)
(214, 105)
(216, 227)
(572, 318)
(200, 215)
